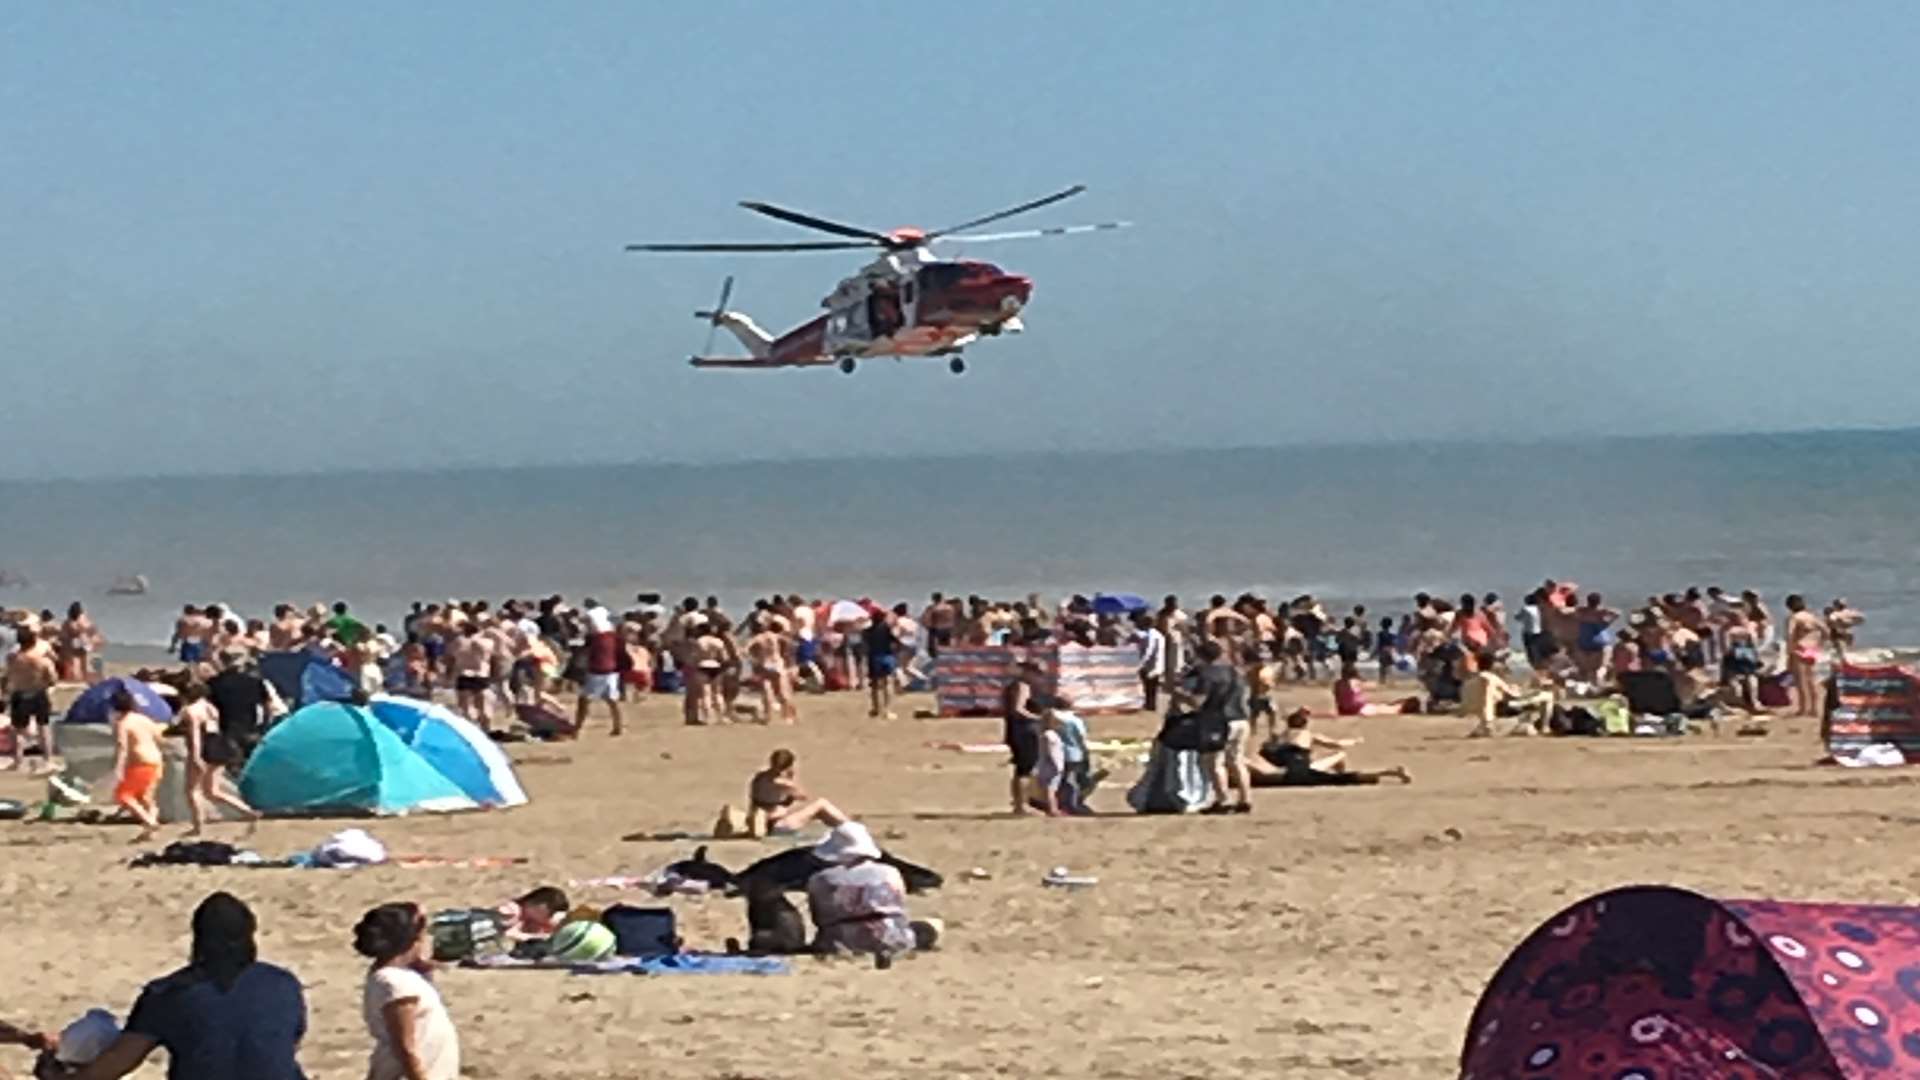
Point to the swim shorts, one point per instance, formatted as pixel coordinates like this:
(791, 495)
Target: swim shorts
(142, 779)
(192, 652)
(28, 709)
(880, 667)
(601, 687)
(471, 684)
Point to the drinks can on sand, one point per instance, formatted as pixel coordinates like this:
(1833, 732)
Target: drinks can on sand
(1060, 878)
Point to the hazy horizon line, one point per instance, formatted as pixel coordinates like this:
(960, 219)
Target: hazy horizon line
(1168, 449)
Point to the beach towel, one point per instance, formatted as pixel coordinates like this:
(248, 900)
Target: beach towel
(709, 964)
(677, 964)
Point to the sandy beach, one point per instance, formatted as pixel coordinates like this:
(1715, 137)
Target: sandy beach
(1333, 933)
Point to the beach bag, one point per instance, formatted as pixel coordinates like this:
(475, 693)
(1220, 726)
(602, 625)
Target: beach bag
(639, 931)
(467, 933)
(1773, 693)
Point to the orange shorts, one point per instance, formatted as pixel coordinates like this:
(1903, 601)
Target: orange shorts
(139, 784)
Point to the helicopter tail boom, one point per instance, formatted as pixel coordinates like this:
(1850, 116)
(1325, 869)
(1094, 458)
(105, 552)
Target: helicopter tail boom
(758, 342)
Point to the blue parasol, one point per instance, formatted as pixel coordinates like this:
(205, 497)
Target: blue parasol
(1118, 603)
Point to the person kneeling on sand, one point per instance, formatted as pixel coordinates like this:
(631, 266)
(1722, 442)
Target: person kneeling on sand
(858, 903)
(1287, 760)
(778, 804)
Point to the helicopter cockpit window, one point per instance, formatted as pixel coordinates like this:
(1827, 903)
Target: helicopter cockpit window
(883, 311)
(941, 275)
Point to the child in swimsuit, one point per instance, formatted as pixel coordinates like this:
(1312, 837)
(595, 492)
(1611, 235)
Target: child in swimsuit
(138, 762)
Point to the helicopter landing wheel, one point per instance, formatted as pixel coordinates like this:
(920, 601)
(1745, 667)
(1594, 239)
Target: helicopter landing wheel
(846, 365)
(957, 366)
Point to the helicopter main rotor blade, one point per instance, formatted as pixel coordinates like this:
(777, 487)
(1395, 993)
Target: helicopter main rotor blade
(1029, 234)
(1004, 214)
(794, 217)
(805, 245)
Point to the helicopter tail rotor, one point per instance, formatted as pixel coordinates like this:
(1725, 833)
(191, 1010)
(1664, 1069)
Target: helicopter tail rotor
(719, 309)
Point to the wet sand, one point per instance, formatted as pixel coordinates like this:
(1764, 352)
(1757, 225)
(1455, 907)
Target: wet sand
(1332, 933)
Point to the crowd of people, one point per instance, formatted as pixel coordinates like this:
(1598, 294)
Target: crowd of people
(1218, 668)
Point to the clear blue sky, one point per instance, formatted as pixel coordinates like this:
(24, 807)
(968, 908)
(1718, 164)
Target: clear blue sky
(253, 236)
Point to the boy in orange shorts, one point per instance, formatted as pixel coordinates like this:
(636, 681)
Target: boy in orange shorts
(137, 761)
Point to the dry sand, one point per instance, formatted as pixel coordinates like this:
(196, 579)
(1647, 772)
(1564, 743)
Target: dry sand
(1332, 933)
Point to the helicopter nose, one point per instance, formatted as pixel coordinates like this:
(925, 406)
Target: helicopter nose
(1017, 287)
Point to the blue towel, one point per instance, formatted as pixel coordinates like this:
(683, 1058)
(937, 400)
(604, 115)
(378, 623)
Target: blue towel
(709, 964)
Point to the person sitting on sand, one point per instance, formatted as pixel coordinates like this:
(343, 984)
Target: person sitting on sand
(413, 1037)
(1287, 759)
(858, 903)
(137, 761)
(1350, 698)
(778, 804)
(1487, 695)
(225, 1016)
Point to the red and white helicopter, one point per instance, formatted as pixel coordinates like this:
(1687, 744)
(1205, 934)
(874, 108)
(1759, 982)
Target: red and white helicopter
(907, 302)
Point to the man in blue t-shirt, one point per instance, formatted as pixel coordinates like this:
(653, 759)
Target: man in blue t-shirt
(225, 1016)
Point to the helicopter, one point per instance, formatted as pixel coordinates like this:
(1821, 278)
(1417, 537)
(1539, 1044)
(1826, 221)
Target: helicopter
(908, 302)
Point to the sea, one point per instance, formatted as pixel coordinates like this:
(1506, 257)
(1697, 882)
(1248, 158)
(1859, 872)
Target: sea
(1824, 514)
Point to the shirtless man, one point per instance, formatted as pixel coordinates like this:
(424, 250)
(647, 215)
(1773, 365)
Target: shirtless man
(767, 656)
(939, 618)
(285, 633)
(1806, 641)
(1222, 623)
(680, 641)
(137, 762)
(1842, 619)
(189, 636)
(30, 676)
(806, 666)
(472, 656)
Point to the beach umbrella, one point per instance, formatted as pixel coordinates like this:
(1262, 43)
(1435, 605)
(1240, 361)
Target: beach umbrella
(846, 611)
(96, 705)
(1118, 603)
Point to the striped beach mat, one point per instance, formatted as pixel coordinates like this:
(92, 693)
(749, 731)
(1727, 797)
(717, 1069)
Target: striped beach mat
(969, 681)
(1875, 705)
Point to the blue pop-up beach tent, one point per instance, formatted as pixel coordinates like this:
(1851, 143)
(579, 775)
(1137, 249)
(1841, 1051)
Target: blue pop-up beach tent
(95, 706)
(335, 758)
(454, 745)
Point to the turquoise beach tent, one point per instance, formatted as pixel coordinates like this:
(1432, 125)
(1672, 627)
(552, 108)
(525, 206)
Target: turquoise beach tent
(335, 758)
(454, 745)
